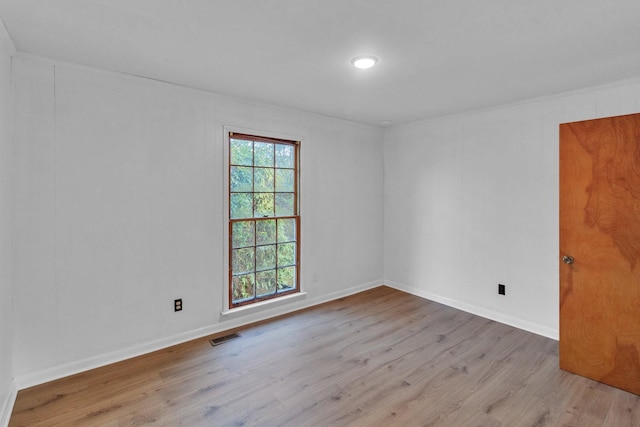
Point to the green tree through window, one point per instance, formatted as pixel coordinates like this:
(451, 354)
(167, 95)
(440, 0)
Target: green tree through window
(263, 218)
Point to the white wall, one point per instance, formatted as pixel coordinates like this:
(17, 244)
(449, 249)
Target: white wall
(119, 197)
(472, 201)
(7, 386)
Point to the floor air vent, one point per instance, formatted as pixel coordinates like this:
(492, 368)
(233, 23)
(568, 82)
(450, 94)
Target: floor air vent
(221, 340)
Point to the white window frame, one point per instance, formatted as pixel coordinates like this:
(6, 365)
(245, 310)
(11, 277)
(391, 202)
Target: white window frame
(227, 310)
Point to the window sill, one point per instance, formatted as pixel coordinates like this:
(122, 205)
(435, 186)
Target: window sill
(262, 306)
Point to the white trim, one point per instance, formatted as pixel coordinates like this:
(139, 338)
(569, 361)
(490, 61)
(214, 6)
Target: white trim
(479, 311)
(4, 35)
(225, 324)
(226, 311)
(225, 217)
(7, 405)
(229, 322)
(262, 305)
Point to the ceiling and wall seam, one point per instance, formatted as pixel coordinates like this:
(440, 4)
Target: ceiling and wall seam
(4, 35)
(212, 94)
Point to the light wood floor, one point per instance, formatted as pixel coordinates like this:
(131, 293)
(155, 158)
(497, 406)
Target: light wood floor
(379, 358)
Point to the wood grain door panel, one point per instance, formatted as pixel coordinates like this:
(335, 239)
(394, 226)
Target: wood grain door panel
(600, 229)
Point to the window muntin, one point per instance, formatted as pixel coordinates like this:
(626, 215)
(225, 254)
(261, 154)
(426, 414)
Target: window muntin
(263, 218)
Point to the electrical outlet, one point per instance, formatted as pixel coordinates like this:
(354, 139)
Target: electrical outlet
(502, 289)
(177, 304)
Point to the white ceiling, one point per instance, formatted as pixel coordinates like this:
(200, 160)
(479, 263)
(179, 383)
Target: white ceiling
(436, 56)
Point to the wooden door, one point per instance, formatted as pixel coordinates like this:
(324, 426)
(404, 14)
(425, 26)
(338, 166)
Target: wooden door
(600, 231)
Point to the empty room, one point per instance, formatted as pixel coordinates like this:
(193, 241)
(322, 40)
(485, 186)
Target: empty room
(319, 213)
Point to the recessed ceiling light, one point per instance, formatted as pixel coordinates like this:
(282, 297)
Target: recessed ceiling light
(364, 61)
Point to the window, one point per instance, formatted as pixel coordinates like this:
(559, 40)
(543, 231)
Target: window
(264, 224)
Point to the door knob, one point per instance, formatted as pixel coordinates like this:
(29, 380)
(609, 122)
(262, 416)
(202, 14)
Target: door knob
(567, 259)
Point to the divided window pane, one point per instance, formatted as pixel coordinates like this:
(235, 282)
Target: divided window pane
(266, 232)
(264, 181)
(263, 218)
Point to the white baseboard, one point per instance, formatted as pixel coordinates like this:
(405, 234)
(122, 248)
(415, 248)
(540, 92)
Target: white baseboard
(479, 311)
(226, 323)
(6, 407)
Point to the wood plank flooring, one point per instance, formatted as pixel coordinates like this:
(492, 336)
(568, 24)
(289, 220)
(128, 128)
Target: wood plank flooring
(378, 358)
